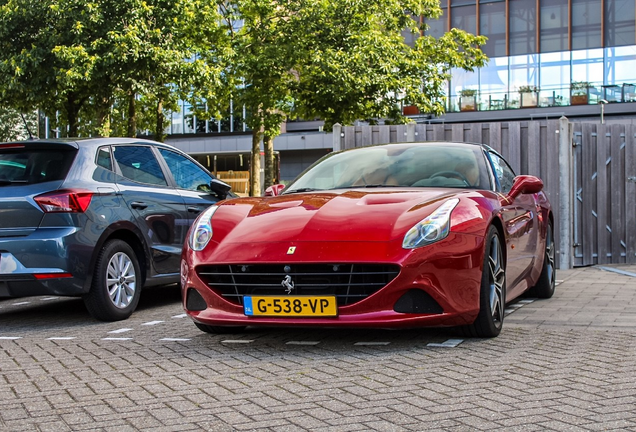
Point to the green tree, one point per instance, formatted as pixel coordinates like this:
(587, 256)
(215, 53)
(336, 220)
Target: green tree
(357, 65)
(80, 58)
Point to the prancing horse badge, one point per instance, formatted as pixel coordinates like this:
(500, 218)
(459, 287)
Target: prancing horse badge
(291, 250)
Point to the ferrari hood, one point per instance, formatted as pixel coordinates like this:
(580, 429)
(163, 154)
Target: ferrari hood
(351, 215)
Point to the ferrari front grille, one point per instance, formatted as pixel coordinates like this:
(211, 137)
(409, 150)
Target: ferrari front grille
(350, 283)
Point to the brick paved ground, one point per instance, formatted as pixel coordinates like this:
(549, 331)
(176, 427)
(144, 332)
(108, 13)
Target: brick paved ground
(561, 364)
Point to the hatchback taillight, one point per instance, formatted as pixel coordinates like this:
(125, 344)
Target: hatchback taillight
(64, 201)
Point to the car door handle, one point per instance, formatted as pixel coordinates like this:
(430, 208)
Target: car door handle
(194, 209)
(138, 205)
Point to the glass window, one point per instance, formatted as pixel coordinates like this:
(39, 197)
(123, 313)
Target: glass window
(464, 17)
(505, 175)
(493, 83)
(523, 18)
(554, 25)
(554, 79)
(586, 24)
(492, 24)
(620, 25)
(587, 66)
(103, 158)
(34, 166)
(524, 71)
(620, 64)
(189, 118)
(437, 27)
(138, 163)
(186, 173)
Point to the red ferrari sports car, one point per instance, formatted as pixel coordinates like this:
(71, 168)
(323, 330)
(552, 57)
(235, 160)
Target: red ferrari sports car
(387, 236)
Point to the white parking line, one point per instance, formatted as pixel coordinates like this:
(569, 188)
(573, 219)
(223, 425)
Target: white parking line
(61, 338)
(116, 339)
(302, 343)
(174, 339)
(122, 330)
(371, 343)
(450, 343)
(180, 316)
(10, 337)
(151, 323)
(237, 341)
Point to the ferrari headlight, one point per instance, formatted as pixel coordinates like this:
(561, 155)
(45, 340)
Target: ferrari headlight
(432, 228)
(201, 232)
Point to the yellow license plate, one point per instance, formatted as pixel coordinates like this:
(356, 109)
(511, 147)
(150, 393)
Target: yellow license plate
(290, 306)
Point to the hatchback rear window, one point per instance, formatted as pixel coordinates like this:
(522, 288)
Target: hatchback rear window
(34, 166)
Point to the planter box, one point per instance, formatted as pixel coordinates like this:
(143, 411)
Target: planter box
(410, 110)
(529, 100)
(578, 100)
(468, 103)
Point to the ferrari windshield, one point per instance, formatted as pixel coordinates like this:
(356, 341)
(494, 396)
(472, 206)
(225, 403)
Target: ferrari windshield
(398, 165)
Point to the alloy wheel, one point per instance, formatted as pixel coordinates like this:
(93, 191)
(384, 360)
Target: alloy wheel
(121, 280)
(497, 281)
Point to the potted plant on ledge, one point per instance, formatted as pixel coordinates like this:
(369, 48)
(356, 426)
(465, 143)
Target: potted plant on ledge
(529, 96)
(580, 92)
(468, 100)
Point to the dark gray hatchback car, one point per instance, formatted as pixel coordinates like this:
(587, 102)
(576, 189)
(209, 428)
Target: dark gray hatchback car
(98, 218)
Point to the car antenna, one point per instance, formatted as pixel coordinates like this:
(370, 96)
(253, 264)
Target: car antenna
(26, 125)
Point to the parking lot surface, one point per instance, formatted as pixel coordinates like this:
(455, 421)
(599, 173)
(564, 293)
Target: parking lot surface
(566, 363)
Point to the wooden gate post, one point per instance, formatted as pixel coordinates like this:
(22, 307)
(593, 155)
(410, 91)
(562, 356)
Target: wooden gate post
(566, 192)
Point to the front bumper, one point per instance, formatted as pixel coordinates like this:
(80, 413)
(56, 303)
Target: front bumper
(448, 271)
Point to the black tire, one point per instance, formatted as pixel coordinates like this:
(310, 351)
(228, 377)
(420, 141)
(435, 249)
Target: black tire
(546, 283)
(117, 283)
(492, 294)
(219, 329)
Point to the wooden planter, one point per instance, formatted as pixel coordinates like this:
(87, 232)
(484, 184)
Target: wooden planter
(578, 100)
(410, 110)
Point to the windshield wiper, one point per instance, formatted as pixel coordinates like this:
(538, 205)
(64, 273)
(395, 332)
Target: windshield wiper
(378, 185)
(302, 190)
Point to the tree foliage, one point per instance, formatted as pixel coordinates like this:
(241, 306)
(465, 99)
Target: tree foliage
(81, 58)
(357, 65)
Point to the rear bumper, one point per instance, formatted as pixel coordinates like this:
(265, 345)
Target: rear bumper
(44, 252)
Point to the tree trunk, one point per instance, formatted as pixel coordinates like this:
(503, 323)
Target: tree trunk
(255, 165)
(102, 118)
(270, 173)
(159, 133)
(132, 116)
(72, 110)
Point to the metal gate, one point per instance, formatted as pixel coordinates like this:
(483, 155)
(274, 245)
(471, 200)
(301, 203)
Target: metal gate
(605, 193)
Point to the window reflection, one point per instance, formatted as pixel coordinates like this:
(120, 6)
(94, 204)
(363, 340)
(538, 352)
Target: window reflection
(620, 26)
(586, 24)
(523, 18)
(554, 25)
(492, 23)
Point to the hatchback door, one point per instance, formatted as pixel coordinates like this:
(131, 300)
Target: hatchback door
(159, 209)
(26, 171)
(192, 181)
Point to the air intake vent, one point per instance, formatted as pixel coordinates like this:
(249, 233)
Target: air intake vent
(350, 283)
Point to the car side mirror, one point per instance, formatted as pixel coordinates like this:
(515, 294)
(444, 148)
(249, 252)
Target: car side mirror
(274, 190)
(219, 188)
(525, 184)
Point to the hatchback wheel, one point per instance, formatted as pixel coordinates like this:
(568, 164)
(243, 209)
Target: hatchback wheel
(116, 286)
